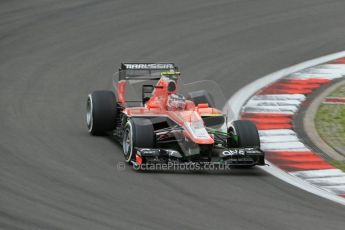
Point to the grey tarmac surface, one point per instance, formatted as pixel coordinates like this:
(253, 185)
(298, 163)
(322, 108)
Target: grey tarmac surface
(54, 175)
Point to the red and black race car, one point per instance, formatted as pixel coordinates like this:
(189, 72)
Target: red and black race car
(157, 119)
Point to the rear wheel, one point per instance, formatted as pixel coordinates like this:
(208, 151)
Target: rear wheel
(101, 111)
(138, 133)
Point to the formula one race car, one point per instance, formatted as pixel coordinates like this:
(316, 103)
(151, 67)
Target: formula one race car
(157, 119)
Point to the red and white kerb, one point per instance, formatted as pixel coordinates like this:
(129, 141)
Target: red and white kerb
(272, 109)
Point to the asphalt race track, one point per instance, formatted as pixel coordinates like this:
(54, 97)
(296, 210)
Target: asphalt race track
(54, 175)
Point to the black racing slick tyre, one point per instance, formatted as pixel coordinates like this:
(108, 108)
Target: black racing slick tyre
(101, 111)
(243, 134)
(138, 133)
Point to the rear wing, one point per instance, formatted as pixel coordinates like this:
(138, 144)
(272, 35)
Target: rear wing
(144, 70)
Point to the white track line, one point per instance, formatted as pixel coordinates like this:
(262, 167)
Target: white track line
(333, 66)
(320, 71)
(252, 102)
(340, 189)
(314, 75)
(318, 173)
(284, 146)
(274, 139)
(298, 97)
(328, 181)
(276, 132)
(270, 109)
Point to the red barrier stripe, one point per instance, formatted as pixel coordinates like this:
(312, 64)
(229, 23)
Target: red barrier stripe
(299, 160)
(265, 115)
(305, 166)
(289, 153)
(302, 165)
(342, 195)
(269, 120)
(335, 100)
(338, 61)
(296, 159)
(320, 80)
(263, 126)
(286, 85)
(284, 91)
(308, 81)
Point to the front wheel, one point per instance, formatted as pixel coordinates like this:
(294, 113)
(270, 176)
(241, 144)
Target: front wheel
(243, 134)
(127, 142)
(138, 133)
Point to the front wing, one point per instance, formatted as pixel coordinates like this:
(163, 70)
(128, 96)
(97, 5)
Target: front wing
(222, 156)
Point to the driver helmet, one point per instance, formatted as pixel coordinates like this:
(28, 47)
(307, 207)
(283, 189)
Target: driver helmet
(176, 102)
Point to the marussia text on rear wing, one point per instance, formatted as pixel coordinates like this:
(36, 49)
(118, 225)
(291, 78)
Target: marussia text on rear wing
(134, 70)
(152, 66)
